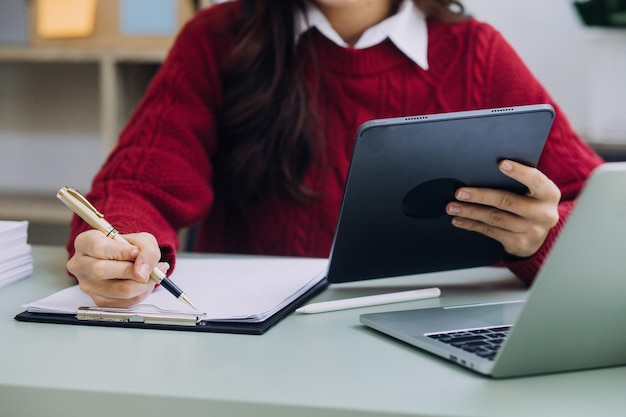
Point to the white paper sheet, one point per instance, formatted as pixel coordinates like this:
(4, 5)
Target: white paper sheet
(240, 289)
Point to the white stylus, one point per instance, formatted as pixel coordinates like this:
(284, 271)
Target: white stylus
(370, 300)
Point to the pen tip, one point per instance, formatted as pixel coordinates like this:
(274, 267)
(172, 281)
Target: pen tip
(187, 300)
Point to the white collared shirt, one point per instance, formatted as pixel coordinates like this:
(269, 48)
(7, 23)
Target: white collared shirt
(406, 29)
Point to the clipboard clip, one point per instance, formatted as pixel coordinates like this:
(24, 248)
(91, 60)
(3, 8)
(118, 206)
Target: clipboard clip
(96, 314)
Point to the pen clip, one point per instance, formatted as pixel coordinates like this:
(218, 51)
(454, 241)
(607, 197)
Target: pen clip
(81, 199)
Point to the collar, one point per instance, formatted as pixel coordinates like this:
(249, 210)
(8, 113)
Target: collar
(406, 29)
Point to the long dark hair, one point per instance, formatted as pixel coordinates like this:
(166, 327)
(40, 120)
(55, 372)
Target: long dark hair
(267, 138)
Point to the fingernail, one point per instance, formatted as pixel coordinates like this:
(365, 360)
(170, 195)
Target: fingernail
(463, 195)
(164, 266)
(454, 209)
(144, 271)
(458, 222)
(506, 166)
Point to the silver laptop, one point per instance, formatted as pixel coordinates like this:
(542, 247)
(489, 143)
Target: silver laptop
(574, 316)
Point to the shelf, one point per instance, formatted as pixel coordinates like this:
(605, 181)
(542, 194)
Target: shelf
(68, 55)
(64, 103)
(34, 208)
(61, 113)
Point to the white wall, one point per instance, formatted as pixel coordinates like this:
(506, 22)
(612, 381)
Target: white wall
(583, 68)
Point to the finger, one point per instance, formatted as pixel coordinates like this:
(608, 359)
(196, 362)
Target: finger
(149, 254)
(539, 186)
(118, 293)
(520, 244)
(100, 258)
(502, 236)
(96, 245)
(483, 216)
(480, 227)
(101, 269)
(483, 198)
(164, 266)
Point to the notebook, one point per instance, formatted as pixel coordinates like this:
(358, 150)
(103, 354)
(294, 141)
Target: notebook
(574, 314)
(244, 295)
(405, 170)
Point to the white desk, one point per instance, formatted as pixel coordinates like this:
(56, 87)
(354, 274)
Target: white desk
(307, 365)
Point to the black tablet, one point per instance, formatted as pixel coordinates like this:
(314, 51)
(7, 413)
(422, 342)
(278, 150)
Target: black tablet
(403, 173)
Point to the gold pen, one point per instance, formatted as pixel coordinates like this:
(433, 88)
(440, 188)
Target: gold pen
(83, 208)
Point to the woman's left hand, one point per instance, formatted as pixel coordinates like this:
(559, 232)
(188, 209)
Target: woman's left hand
(520, 222)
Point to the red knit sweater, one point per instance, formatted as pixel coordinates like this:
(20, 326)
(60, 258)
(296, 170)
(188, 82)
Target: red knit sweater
(158, 179)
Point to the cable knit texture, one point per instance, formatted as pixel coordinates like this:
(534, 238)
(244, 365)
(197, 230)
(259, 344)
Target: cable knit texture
(159, 177)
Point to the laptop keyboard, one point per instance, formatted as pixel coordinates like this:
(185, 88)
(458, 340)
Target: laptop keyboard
(483, 342)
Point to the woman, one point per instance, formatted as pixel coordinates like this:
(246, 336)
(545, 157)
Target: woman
(248, 128)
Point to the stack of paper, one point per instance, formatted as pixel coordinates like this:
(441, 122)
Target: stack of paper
(16, 261)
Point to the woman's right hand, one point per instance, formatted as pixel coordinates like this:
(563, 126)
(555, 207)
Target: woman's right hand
(114, 273)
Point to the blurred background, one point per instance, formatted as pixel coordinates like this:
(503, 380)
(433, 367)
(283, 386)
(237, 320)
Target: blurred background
(71, 71)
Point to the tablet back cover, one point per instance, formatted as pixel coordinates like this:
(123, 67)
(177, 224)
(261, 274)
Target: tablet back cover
(405, 170)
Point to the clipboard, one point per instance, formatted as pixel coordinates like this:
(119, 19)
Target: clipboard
(86, 316)
(243, 295)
